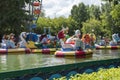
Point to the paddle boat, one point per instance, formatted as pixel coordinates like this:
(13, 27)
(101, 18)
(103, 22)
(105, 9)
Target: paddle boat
(107, 47)
(73, 49)
(75, 53)
(15, 51)
(28, 51)
(45, 51)
(114, 44)
(24, 46)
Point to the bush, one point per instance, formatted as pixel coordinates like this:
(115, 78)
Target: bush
(102, 74)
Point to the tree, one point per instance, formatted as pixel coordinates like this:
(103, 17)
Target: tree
(94, 12)
(92, 26)
(106, 18)
(12, 16)
(115, 13)
(112, 2)
(79, 14)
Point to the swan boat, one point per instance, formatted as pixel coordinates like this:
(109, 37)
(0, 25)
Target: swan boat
(76, 53)
(28, 51)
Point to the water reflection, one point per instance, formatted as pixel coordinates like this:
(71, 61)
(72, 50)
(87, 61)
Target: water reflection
(3, 62)
(27, 61)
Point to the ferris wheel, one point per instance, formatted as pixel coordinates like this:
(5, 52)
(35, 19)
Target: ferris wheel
(35, 7)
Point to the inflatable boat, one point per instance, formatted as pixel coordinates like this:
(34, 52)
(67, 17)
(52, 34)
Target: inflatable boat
(76, 54)
(107, 47)
(28, 51)
(44, 51)
(15, 51)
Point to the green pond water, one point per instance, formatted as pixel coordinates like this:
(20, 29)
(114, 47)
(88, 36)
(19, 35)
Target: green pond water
(14, 62)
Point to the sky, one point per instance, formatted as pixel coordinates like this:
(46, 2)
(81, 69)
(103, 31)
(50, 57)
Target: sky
(57, 8)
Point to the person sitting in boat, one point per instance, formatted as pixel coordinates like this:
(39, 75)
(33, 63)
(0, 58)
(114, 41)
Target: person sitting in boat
(102, 42)
(78, 42)
(12, 41)
(8, 41)
(86, 40)
(67, 34)
(76, 45)
(44, 41)
(92, 40)
(4, 40)
(61, 37)
(62, 33)
(56, 41)
(112, 43)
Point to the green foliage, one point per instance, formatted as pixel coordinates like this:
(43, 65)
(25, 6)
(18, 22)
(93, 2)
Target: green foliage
(115, 14)
(113, 2)
(103, 20)
(79, 14)
(12, 15)
(92, 26)
(103, 74)
(94, 12)
(106, 19)
(55, 24)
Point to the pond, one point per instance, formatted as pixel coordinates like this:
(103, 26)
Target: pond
(14, 62)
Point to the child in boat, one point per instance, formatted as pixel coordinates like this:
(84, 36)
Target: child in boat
(92, 41)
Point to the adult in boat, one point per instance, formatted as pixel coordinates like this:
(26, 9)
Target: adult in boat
(44, 41)
(8, 41)
(101, 42)
(62, 33)
(78, 42)
(92, 40)
(61, 36)
(86, 40)
(23, 42)
(12, 41)
(5, 40)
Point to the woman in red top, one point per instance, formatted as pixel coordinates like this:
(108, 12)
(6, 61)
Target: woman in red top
(61, 33)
